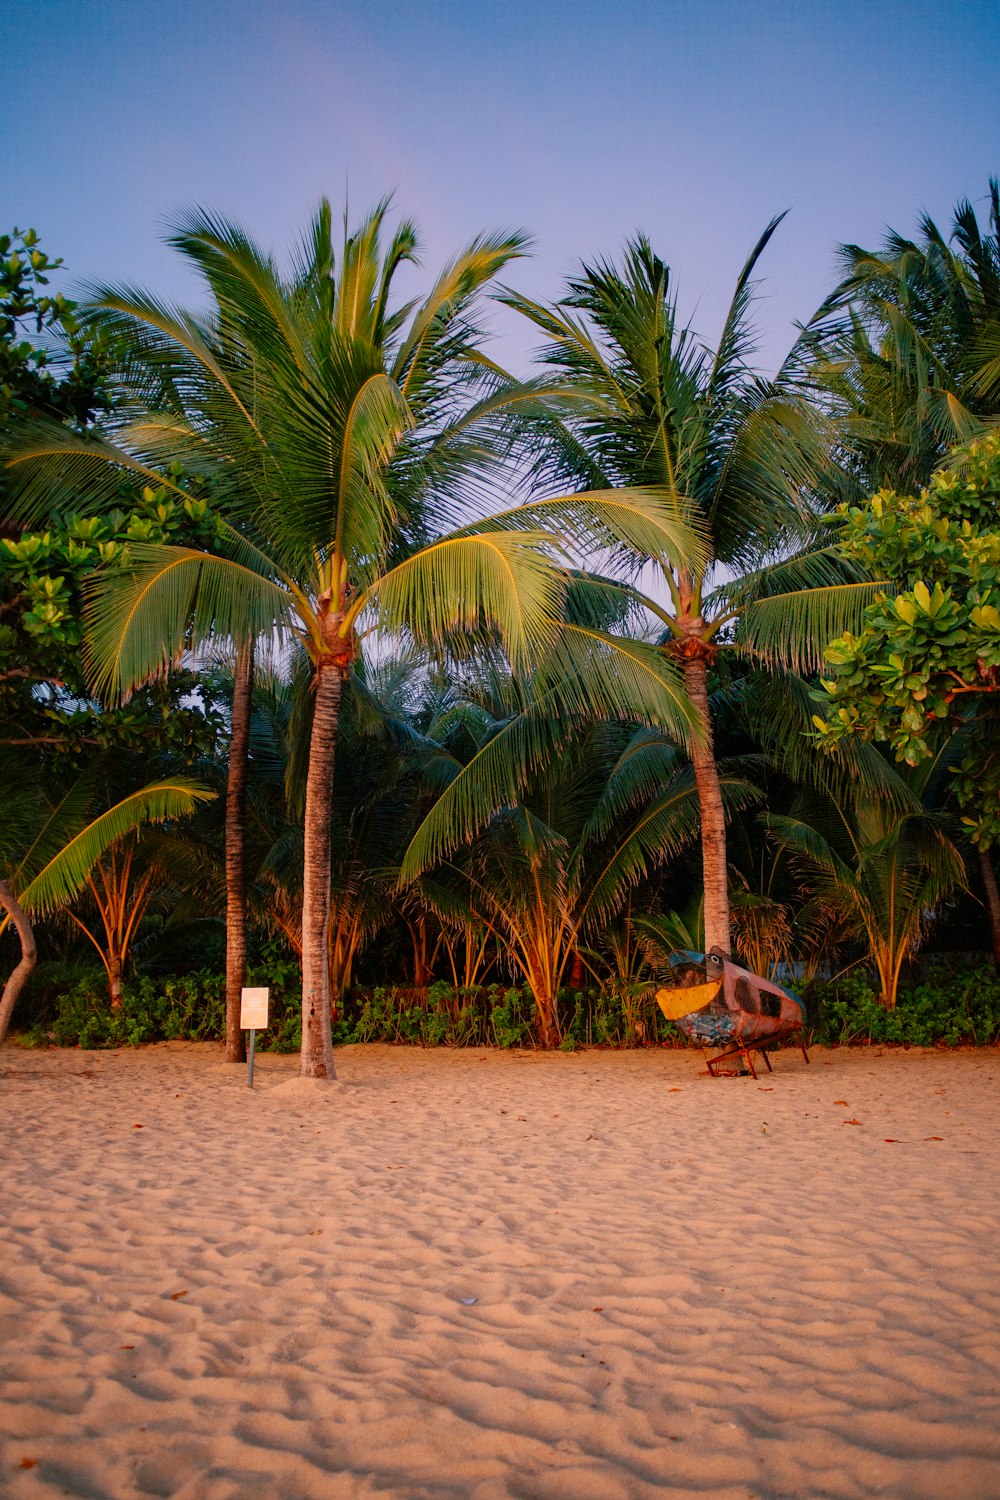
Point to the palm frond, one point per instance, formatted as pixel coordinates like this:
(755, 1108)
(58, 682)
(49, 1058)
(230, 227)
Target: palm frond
(161, 601)
(793, 629)
(65, 874)
(587, 675)
(465, 584)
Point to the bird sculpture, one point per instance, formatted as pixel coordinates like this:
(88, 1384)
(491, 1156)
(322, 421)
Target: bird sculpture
(716, 1003)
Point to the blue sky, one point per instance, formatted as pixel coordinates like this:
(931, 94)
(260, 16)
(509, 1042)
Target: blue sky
(578, 121)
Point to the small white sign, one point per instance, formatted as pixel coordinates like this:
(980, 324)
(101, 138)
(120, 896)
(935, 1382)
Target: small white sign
(253, 1009)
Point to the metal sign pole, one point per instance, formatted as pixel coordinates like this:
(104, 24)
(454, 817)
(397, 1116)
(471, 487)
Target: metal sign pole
(253, 1015)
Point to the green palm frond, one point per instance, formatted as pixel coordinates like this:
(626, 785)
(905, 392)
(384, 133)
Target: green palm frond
(777, 710)
(34, 832)
(634, 524)
(447, 301)
(736, 342)
(366, 517)
(48, 466)
(670, 823)
(65, 874)
(500, 579)
(649, 761)
(142, 616)
(806, 842)
(818, 564)
(587, 675)
(793, 629)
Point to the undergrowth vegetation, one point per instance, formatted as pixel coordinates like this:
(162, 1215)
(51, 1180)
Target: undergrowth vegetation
(68, 1007)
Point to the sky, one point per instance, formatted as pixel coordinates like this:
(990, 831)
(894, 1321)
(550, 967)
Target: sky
(580, 121)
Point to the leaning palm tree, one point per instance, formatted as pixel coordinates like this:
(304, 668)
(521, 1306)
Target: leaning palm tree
(638, 399)
(348, 442)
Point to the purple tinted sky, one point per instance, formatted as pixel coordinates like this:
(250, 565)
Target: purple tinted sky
(695, 120)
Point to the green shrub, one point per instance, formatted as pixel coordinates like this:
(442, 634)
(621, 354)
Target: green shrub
(71, 1007)
(951, 1007)
(190, 1007)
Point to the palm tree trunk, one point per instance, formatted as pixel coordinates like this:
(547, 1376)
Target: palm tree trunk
(713, 819)
(992, 901)
(29, 953)
(236, 803)
(422, 972)
(115, 979)
(317, 1046)
(548, 1018)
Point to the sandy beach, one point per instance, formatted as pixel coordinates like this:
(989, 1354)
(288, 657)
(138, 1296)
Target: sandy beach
(470, 1274)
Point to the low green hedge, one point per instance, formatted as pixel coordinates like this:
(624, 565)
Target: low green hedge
(953, 1007)
(71, 1008)
(190, 1007)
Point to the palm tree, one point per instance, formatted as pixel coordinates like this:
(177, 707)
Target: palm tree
(906, 349)
(865, 835)
(50, 851)
(342, 438)
(548, 874)
(880, 872)
(381, 788)
(640, 400)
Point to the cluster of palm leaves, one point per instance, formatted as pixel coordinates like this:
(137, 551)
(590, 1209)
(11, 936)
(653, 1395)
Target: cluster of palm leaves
(483, 635)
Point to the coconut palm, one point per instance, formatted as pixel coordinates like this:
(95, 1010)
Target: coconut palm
(343, 438)
(907, 348)
(638, 399)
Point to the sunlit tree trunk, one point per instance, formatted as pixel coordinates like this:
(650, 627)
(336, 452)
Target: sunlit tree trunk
(344, 940)
(546, 1005)
(422, 971)
(16, 981)
(236, 801)
(317, 1044)
(695, 655)
(114, 967)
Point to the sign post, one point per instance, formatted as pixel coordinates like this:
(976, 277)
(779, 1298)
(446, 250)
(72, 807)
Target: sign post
(253, 1018)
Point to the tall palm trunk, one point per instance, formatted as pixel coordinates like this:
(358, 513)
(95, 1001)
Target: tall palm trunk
(29, 953)
(236, 804)
(992, 901)
(696, 655)
(317, 1044)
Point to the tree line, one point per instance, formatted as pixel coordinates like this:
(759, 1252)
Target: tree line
(318, 625)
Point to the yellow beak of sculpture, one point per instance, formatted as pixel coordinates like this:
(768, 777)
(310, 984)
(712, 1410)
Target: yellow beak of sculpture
(684, 1002)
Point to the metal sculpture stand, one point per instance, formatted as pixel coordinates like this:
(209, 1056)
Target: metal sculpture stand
(745, 1053)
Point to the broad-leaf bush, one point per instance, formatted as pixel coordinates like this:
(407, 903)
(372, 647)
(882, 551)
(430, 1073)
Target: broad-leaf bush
(951, 1007)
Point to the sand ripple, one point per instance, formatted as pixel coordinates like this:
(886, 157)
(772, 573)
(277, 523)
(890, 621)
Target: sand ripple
(487, 1276)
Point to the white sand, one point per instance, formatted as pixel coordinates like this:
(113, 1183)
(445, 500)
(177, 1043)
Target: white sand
(683, 1287)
